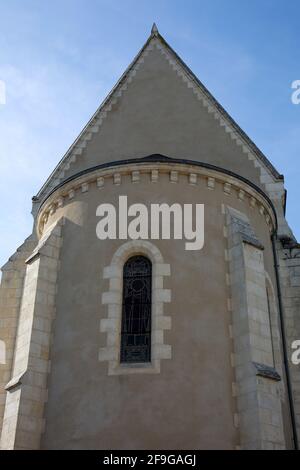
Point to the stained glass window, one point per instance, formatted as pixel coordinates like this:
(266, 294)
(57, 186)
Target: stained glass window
(136, 310)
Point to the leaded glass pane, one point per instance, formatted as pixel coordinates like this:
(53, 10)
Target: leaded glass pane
(136, 310)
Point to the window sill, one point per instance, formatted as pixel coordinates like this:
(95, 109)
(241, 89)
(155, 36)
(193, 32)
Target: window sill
(115, 368)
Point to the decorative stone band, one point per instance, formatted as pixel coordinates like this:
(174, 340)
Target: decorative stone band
(245, 191)
(113, 299)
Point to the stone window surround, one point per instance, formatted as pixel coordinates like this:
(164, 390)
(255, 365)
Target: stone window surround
(113, 299)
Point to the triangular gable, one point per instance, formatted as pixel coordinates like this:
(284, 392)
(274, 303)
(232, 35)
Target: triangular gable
(268, 173)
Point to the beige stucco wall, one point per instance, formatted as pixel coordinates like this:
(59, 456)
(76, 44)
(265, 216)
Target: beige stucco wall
(190, 403)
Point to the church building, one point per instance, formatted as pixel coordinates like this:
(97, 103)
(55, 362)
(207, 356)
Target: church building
(137, 342)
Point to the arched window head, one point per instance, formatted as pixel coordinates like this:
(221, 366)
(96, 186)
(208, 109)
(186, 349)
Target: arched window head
(136, 311)
(126, 353)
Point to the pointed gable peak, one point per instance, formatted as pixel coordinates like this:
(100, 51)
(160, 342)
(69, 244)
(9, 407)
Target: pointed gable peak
(156, 42)
(154, 30)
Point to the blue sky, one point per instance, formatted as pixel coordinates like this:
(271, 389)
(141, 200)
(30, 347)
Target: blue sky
(59, 59)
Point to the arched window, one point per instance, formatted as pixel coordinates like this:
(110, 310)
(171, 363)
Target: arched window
(136, 310)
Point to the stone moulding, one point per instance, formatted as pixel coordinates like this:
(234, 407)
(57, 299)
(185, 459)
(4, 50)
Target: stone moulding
(116, 173)
(111, 325)
(15, 381)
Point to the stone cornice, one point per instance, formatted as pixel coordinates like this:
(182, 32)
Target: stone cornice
(196, 174)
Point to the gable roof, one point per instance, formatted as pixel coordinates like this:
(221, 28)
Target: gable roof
(212, 105)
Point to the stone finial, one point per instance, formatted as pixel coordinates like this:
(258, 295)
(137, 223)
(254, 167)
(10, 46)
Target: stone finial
(154, 29)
